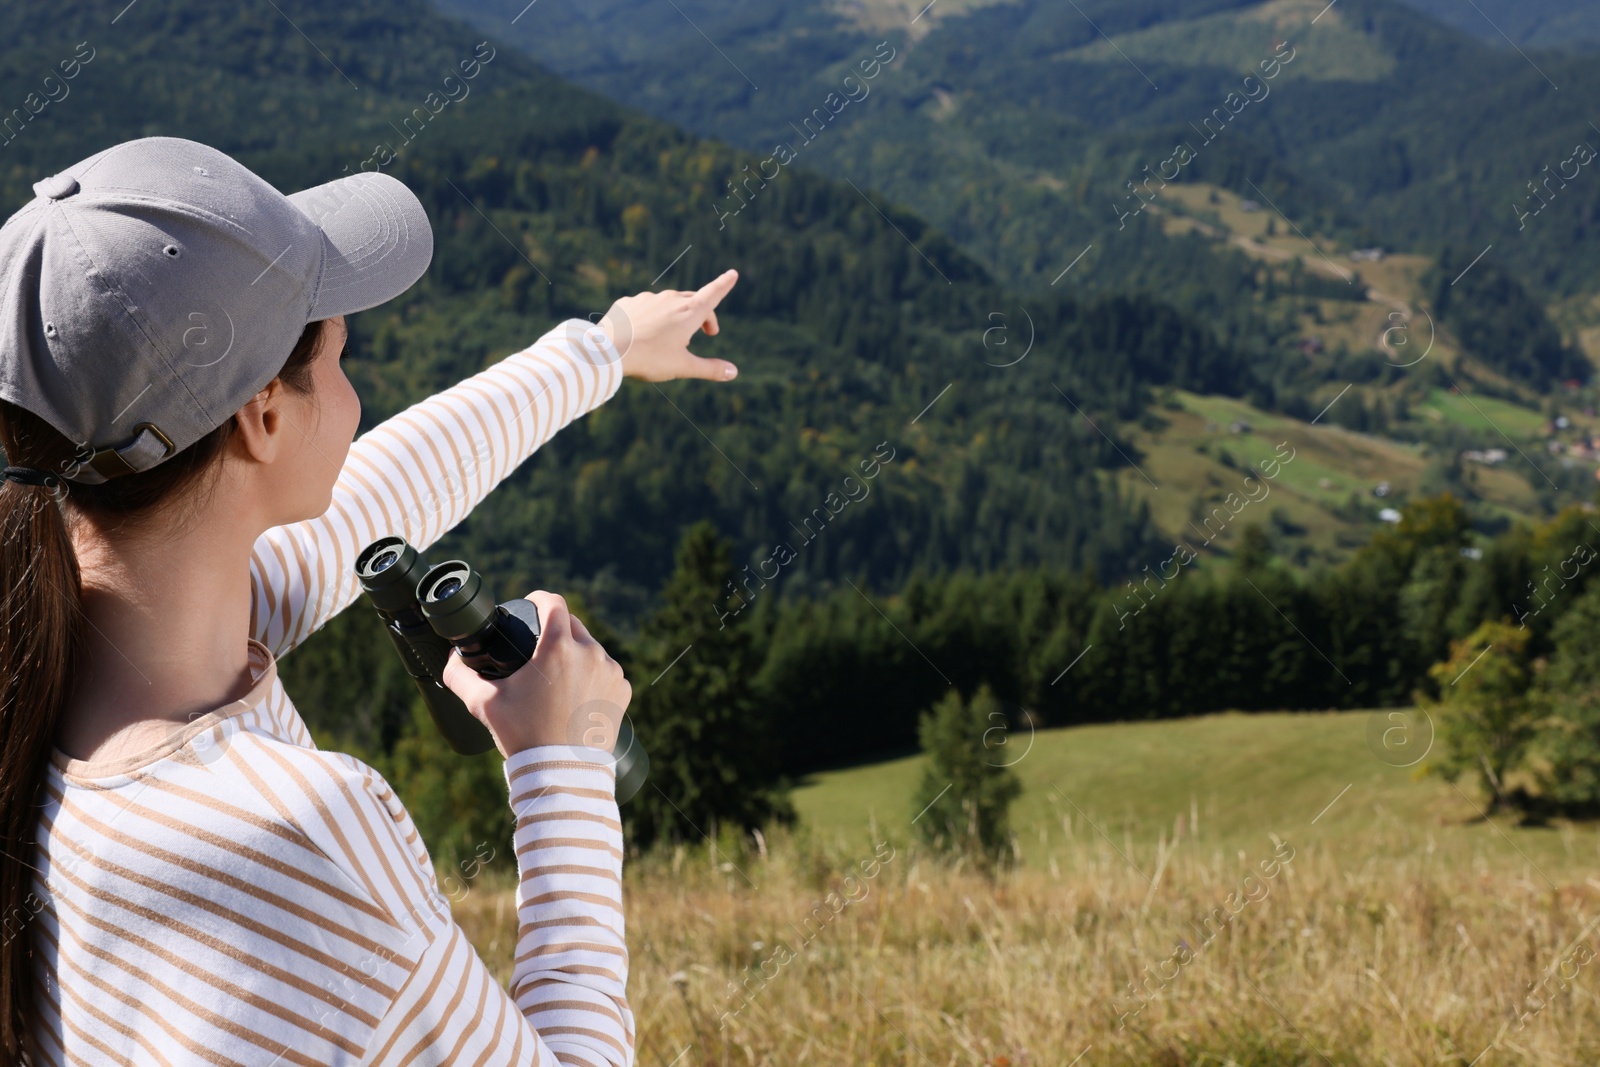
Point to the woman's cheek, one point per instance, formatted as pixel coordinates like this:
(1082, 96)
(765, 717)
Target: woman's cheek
(348, 418)
(335, 411)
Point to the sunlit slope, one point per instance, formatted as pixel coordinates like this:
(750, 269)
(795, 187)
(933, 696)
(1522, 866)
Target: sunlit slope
(1220, 783)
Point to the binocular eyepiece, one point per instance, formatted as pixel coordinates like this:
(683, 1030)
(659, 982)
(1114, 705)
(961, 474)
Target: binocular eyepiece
(427, 611)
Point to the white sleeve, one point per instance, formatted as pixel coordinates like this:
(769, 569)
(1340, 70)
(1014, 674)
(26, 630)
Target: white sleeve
(420, 473)
(567, 1002)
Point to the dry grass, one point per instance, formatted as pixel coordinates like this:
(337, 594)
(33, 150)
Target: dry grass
(1373, 948)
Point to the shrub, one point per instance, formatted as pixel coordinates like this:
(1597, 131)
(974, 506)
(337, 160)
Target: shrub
(966, 792)
(1486, 715)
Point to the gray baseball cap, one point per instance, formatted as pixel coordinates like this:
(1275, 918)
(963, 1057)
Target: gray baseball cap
(150, 291)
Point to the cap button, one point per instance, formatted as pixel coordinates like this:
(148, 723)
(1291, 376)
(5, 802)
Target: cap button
(56, 187)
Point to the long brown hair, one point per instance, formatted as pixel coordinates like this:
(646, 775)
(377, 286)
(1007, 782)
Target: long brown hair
(39, 639)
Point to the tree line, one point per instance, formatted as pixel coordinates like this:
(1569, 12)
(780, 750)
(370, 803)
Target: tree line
(733, 711)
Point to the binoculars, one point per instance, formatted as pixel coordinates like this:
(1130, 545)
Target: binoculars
(428, 610)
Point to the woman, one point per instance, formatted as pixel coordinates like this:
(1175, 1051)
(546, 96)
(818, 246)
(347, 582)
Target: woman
(185, 878)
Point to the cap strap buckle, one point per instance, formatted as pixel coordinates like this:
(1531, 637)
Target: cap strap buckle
(147, 448)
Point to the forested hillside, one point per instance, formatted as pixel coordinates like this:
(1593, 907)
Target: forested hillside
(1313, 183)
(1017, 126)
(549, 202)
(1572, 25)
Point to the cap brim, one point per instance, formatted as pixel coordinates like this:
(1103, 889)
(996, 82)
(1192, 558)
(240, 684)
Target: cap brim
(377, 237)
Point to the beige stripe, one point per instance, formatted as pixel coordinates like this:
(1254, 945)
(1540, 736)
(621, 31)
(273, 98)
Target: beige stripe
(533, 366)
(471, 402)
(570, 894)
(436, 976)
(588, 376)
(562, 359)
(311, 594)
(573, 868)
(410, 442)
(368, 494)
(541, 983)
(213, 978)
(576, 842)
(221, 1022)
(558, 947)
(539, 1006)
(390, 829)
(578, 1056)
(491, 1047)
(552, 379)
(450, 1021)
(491, 408)
(44, 961)
(266, 589)
(254, 595)
(524, 821)
(352, 531)
(592, 970)
(565, 791)
(410, 420)
(329, 821)
(322, 607)
(270, 795)
(205, 871)
(563, 764)
(171, 922)
(411, 492)
(256, 856)
(547, 1032)
(240, 918)
(570, 920)
(111, 1024)
(506, 379)
(288, 572)
(521, 1031)
(384, 793)
(137, 1009)
(476, 492)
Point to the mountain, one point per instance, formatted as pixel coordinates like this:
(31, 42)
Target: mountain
(853, 316)
(1295, 134)
(1017, 127)
(855, 322)
(1571, 25)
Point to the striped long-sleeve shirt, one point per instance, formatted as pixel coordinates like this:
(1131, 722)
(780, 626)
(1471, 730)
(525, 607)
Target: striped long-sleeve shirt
(238, 896)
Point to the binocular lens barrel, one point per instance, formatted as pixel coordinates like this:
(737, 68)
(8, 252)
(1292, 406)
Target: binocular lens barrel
(388, 570)
(427, 610)
(493, 639)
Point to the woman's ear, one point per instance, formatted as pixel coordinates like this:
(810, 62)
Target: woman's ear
(259, 425)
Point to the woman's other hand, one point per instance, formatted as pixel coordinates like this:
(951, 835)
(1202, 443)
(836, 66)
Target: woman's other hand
(653, 330)
(570, 693)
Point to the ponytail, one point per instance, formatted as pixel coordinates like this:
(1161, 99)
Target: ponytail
(38, 634)
(39, 643)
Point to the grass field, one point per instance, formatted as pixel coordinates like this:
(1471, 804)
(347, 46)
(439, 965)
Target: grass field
(1366, 916)
(1185, 462)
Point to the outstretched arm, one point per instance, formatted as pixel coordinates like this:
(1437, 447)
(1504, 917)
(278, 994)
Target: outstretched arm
(418, 474)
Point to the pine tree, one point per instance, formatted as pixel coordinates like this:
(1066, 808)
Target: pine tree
(694, 708)
(967, 789)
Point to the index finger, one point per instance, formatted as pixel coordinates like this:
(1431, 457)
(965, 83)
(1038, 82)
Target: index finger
(711, 294)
